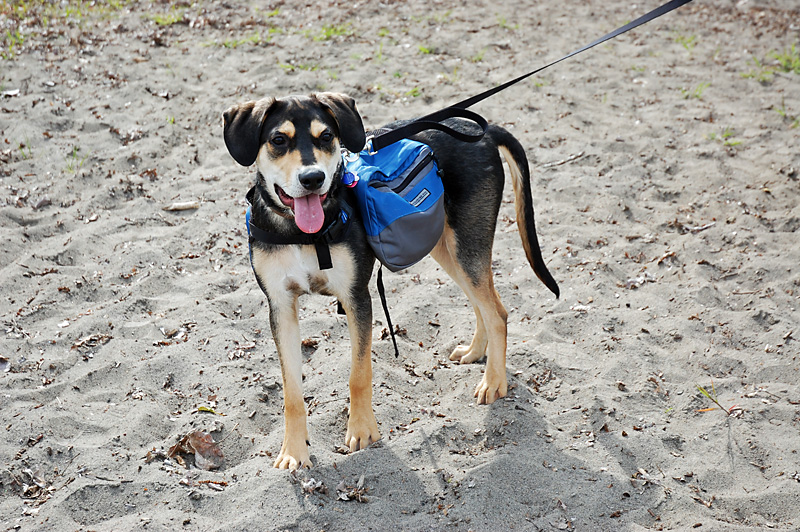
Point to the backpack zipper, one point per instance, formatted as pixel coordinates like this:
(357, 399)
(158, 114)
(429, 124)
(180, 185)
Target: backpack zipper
(419, 167)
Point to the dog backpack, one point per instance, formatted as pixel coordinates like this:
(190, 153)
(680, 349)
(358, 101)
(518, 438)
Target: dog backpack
(400, 196)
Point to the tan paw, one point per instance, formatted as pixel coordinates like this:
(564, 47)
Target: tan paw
(362, 431)
(467, 354)
(293, 456)
(490, 390)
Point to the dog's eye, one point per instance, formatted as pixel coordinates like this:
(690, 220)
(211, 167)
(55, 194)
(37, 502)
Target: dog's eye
(279, 140)
(326, 137)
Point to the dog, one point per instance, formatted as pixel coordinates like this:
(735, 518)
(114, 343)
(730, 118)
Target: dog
(296, 143)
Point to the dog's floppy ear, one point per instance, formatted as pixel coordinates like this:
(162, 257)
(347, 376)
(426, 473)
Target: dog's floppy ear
(343, 109)
(242, 129)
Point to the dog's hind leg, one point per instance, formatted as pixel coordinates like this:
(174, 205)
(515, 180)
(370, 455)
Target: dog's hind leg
(444, 253)
(286, 333)
(467, 354)
(362, 428)
(490, 314)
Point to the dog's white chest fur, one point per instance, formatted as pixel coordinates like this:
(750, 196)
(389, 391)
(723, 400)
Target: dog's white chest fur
(294, 270)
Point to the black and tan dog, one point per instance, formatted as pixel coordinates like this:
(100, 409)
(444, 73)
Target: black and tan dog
(295, 143)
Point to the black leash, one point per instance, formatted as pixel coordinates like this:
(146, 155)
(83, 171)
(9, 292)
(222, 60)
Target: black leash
(432, 121)
(382, 293)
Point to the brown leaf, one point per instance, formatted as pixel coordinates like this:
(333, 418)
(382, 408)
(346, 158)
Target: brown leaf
(207, 454)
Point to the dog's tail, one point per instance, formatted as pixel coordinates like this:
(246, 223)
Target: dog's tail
(514, 155)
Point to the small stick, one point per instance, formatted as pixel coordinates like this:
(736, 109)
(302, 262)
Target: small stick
(228, 434)
(183, 206)
(565, 161)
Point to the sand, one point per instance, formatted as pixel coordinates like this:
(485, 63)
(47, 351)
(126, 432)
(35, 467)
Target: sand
(666, 167)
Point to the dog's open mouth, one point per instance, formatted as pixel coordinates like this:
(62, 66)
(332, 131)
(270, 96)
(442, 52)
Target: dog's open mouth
(308, 213)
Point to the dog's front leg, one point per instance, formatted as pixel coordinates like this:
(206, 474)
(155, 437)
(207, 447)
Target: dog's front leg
(362, 428)
(286, 332)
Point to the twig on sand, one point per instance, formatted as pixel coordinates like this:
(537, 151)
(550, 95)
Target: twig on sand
(569, 159)
(183, 206)
(228, 434)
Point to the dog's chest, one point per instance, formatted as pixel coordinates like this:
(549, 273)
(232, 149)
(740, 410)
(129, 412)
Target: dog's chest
(291, 271)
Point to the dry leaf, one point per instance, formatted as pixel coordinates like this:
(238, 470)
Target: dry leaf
(207, 454)
(350, 493)
(91, 341)
(310, 343)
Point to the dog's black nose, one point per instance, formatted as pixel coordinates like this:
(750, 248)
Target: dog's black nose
(312, 179)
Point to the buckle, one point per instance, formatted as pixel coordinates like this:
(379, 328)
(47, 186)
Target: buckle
(348, 156)
(368, 146)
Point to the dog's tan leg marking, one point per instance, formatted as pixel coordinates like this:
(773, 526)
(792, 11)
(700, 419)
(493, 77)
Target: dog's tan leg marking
(445, 254)
(286, 331)
(467, 354)
(494, 385)
(362, 428)
(491, 317)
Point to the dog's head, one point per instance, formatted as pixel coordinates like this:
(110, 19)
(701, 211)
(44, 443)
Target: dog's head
(296, 143)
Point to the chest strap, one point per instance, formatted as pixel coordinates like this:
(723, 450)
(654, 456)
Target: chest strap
(333, 233)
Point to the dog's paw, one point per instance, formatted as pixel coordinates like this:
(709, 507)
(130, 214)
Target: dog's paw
(293, 457)
(464, 354)
(491, 389)
(361, 432)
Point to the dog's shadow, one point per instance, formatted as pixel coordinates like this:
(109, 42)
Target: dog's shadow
(473, 466)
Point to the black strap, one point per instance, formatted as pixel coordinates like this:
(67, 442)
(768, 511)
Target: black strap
(382, 293)
(335, 232)
(323, 254)
(279, 238)
(431, 121)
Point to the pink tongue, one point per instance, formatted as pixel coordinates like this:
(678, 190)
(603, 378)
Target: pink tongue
(308, 213)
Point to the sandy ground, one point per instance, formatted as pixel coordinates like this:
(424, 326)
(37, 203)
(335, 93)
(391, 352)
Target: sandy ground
(666, 167)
